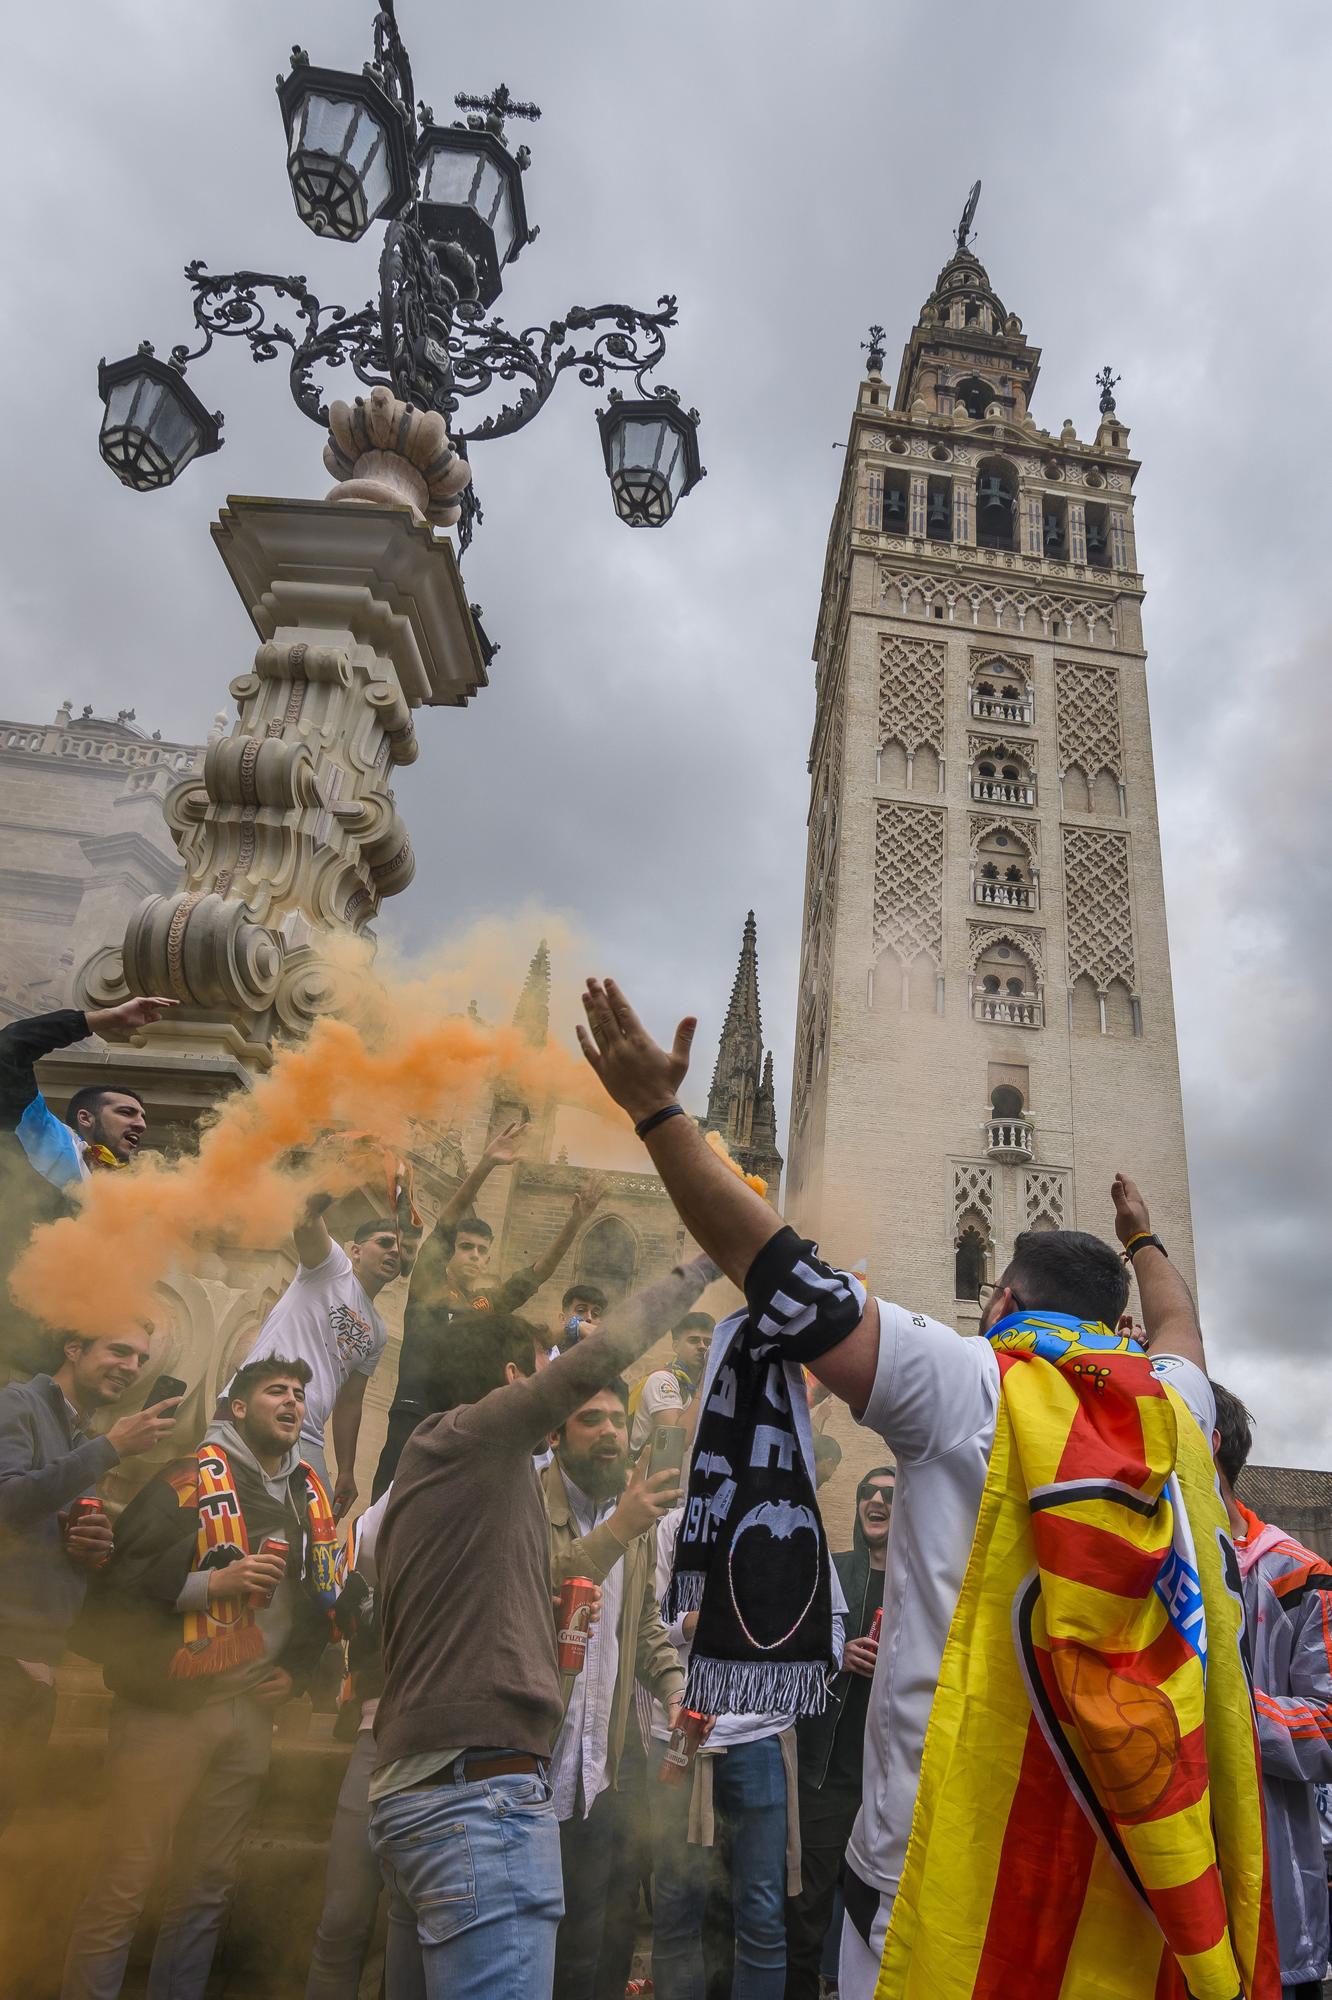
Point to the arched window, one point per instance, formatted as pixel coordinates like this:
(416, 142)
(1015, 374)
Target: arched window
(970, 1261)
(1003, 876)
(1000, 693)
(895, 503)
(1054, 527)
(939, 510)
(1002, 775)
(1006, 1101)
(608, 1256)
(974, 395)
(1098, 535)
(1005, 987)
(996, 504)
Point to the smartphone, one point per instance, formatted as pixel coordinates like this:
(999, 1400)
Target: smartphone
(163, 1389)
(668, 1448)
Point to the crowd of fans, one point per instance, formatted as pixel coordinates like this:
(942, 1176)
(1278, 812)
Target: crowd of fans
(534, 1787)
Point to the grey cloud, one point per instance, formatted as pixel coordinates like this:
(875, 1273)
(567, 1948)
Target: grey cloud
(792, 173)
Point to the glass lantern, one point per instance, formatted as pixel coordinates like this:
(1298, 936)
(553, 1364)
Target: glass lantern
(472, 195)
(347, 155)
(651, 450)
(153, 424)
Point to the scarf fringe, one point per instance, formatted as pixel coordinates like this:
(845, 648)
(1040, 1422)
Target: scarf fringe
(756, 1687)
(684, 1594)
(218, 1656)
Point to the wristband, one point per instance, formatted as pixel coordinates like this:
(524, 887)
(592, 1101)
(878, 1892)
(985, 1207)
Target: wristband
(1140, 1243)
(650, 1124)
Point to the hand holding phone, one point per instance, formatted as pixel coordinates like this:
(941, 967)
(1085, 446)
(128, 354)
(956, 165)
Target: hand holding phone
(668, 1446)
(163, 1389)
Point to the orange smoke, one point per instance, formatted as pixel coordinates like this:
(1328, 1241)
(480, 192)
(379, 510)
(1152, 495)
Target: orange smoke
(95, 1272)
(719, 1147)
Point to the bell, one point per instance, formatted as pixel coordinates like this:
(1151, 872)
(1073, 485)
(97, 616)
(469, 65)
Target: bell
(938, 522)
(991, 496)
(894, 508)
(1054, 535)
(1095, 540)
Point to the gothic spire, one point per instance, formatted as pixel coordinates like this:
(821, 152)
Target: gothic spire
(532, 1014)
(741, 1101)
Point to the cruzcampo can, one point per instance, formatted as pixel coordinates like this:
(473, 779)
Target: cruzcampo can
(682, 1749)
(87, 1509)
(876, 1626)
(271, 1545)
(577, 1598)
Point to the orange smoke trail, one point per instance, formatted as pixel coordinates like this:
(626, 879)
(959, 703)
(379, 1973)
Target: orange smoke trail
(94, 1272)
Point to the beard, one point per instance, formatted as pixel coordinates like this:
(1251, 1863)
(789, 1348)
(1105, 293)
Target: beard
(600, 1478)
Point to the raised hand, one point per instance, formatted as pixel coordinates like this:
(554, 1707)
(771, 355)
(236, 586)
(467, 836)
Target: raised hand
(136, 1013)
(589, 1197)
(632, 1068)
(644, 1500)
(504, 1148)
(1131, 1217)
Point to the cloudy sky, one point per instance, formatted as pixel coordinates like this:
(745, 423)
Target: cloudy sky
(1155, 196)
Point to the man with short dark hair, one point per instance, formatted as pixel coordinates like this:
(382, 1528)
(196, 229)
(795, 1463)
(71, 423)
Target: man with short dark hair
(827, 1458)
(1023, 1456)
(602, 1524)
(327, 1318)
(47, 1461)
(581, 1312)
(449, 1276)
(472, 1702)
(664, 1395)
(1288, 1598)
(104, 1123)
(832, 1745)
(203, 1632)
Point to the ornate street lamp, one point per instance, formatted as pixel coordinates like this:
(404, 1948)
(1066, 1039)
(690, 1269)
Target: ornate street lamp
(651, 450)
(347, 152)
(357, 146)
(153, 423)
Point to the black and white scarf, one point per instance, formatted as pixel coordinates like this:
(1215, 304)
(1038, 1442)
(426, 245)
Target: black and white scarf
(751, 1556)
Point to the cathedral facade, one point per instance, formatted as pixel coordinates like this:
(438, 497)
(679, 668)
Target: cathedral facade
(985, 1028)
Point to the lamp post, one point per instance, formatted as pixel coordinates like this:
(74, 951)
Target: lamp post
(361, 151)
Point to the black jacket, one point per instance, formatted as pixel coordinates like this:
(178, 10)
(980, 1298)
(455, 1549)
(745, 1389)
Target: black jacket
(130, 1621)
(816, 1734)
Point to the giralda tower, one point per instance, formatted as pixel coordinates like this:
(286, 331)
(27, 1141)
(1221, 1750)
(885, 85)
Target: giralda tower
(986, 1029)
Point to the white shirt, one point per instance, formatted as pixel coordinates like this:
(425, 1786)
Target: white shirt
(582, 1745)
(935, 1402)
(326, 1319)
(660, 1392)
(728, 1730)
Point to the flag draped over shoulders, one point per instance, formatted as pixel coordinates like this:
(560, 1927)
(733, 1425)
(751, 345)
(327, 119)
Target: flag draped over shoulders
(1089, 1820)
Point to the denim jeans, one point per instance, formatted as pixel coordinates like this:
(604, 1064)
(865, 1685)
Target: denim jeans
(352, 1888)
(749, 1792)
(179, 1782)
(473, 1874)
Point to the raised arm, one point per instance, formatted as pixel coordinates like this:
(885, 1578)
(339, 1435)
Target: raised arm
(584, 1204)
(502, 1151)
(311, 1236)
(525, 1412)
(1169, 1316)
(720, 1211)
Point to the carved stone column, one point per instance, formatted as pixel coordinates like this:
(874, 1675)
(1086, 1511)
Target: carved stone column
(291, 833)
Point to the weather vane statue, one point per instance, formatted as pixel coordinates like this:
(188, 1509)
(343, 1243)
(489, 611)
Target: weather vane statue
(968, 217)
(1107, 382)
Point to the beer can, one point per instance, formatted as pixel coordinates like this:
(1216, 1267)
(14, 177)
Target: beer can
(271, 1545)
(576, 1600)
(680, 1752)
(86, 1509)
(876, 1625)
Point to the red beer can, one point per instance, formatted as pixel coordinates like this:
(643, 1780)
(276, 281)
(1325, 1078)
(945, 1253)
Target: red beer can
(876, 1625)
(576, 1601)
(680, 1752)
(85, 1510)
(271, 1545)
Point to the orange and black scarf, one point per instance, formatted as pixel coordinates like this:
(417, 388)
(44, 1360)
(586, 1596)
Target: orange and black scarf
(226, 1634)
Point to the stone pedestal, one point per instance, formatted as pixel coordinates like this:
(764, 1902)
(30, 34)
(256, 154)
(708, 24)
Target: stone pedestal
(291, 833)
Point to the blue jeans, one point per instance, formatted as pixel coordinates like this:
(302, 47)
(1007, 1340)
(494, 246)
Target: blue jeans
(475, 1890)
(749, 1792)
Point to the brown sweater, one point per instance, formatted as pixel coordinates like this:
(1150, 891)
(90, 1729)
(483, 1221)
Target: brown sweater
(463, 1554)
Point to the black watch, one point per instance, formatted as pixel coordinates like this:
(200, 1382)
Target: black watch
(1142, 1244)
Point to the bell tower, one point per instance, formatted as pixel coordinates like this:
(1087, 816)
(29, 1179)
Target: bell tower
(985, 1027)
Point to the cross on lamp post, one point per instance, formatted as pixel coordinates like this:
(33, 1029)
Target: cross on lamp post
(360, 150)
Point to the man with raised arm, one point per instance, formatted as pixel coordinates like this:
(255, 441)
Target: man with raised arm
(1086, 1813)
(461, 1808)
(450, 1276)
(103, 1125)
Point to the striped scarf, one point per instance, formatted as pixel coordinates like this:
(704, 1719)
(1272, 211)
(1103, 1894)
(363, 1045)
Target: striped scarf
(225, 1634)
(1089, 1820)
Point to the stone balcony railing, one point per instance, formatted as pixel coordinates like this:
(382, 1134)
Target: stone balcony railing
(991, 708)
(1003, 792)
(1009, 1011)
(1005, 895)
(1008, 1138)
